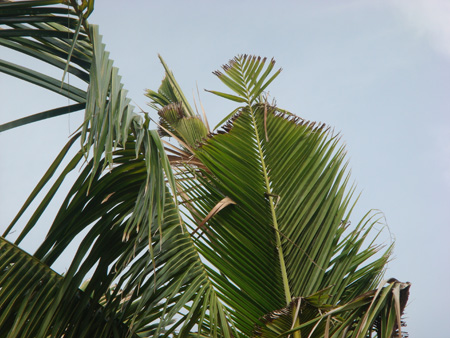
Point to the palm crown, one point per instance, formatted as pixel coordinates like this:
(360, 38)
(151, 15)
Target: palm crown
(240, 232)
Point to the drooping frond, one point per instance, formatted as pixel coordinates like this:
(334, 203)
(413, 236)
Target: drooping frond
(142, 267)
(58, 34)
(136, 289)
(55, 34)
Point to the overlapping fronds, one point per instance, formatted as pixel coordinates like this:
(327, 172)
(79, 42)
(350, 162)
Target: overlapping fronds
(142, 266)
(267, 200)
(132, 289)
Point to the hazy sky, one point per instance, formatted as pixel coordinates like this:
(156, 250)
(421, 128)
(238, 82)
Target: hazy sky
(377, 71)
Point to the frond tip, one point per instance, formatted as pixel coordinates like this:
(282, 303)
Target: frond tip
(247, 76)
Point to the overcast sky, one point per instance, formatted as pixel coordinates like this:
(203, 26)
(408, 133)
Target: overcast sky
(376, 71)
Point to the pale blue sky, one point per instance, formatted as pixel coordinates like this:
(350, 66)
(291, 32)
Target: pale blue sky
(377, 71)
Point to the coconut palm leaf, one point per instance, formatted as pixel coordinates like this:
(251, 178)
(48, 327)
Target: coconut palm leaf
(283, 235)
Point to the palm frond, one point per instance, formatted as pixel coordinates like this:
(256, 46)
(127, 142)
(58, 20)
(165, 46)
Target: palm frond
(52, 33)
(283, 237)
(58, 34)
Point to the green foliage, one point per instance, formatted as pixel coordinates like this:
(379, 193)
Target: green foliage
(262, 245)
